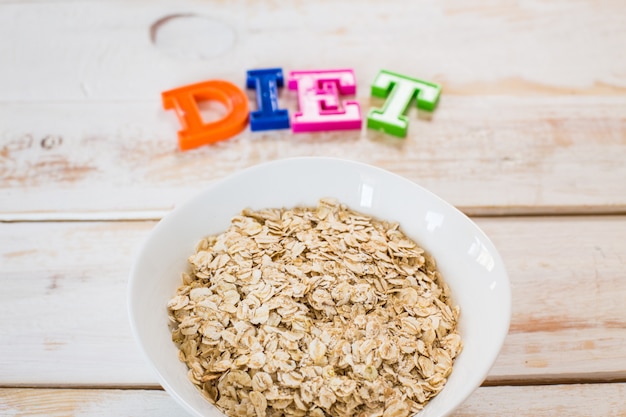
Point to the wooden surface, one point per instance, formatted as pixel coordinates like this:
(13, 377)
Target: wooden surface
(529, 138)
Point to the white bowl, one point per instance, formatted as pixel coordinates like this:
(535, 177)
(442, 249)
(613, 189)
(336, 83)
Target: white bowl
(469, 262)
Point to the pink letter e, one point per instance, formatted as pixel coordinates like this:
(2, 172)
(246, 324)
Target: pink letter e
(318, 99)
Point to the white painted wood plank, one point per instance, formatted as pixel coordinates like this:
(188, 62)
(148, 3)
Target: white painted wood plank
(103, 49)
(82, 130)
(64, 321)
(486, 155)
(590, 400)
(569, 286)
(549, 401)
(87, 403)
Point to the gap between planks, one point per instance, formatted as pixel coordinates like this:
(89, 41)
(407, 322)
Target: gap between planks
(104, 216)
(156, 215)
(488, 383)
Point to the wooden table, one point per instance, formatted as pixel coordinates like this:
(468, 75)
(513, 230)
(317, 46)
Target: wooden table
(529, 139)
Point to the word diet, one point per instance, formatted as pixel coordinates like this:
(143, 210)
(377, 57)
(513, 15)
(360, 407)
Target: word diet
(319, 105)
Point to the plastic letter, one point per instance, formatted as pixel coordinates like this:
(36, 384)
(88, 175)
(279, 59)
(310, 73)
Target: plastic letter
(399, 91)
(266, 83)
(318, 100)
(195, 132)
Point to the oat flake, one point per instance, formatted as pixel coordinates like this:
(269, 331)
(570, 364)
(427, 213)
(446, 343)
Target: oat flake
(314, 312)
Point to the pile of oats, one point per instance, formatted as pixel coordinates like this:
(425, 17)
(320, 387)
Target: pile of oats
(314, 312)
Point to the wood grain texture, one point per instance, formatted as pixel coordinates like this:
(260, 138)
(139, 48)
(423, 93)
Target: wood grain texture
(531, 120)
(486, 155)
(64, 319)
(590, 400)
(116, 50)
(64, 323)
(569, 282)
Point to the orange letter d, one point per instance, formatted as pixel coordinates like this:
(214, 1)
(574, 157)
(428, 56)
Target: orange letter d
(195, 132)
